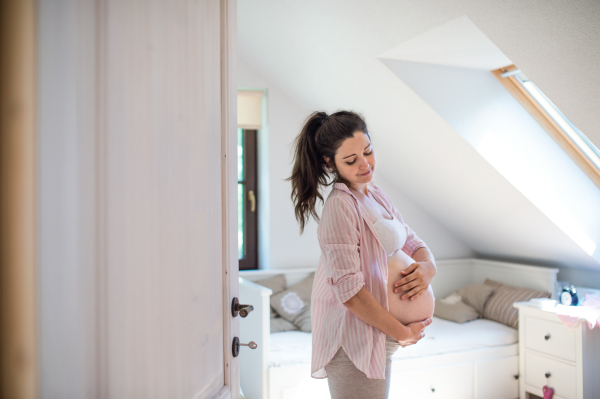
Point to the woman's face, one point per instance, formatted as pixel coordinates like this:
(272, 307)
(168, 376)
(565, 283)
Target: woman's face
(355, 159)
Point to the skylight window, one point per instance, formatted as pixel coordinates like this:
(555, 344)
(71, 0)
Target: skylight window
(578, 138)
(565, 133)
(542, 171)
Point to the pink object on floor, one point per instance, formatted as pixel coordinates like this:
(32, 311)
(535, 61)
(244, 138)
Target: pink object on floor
(548, 392)
(589, 311)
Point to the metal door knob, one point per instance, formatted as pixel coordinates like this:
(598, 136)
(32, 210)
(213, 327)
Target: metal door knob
(242, 310)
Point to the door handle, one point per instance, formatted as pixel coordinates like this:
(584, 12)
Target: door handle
(252, 199)
(243, 310)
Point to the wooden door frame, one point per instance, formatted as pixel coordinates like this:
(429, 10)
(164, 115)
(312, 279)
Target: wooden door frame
(231, 388)
(18, 334)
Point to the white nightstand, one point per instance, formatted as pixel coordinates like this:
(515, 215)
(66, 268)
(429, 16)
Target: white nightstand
(550, 353)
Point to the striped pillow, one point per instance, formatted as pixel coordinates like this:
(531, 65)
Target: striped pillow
(499, 306)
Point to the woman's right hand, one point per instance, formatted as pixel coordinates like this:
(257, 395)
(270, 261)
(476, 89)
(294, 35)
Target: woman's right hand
(416, 331)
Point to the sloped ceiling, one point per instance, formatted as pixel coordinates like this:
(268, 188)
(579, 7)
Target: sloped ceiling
(324, 56)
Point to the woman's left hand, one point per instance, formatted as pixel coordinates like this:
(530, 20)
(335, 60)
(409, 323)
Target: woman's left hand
(417, 278)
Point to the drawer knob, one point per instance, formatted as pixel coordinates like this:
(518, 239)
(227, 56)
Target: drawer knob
(547, 337)
(432, 389)
(547, 375)
(516, 376)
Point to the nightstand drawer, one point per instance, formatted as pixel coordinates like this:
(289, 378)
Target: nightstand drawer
(447, 382)
(563, 377)
(549, 337)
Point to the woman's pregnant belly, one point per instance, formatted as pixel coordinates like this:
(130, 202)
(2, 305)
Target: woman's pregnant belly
(405, 310)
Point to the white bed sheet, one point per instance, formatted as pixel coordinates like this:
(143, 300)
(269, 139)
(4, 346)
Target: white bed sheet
(442, 336)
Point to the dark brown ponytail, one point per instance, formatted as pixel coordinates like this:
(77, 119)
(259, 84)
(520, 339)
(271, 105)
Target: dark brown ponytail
(320, 137)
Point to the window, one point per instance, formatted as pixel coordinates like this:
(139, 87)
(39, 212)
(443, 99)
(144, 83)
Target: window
(572, 140)
(250, 110)
(561, 179)
(247, 206)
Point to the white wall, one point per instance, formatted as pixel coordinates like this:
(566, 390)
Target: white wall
(443, 243)
(285, 247)
(579, 277)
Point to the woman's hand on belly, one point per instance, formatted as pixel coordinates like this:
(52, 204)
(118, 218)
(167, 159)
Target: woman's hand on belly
(407, 312)
(416, 281)
(397, 263)
(411, 311)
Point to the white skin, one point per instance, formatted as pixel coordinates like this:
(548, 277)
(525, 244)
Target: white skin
(355, 161)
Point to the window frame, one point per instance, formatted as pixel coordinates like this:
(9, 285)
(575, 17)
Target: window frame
(545, 120)
(250, 260)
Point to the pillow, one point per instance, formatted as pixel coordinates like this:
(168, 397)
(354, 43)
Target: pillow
(292, 303)
(454, 309)
(476, 295)
(303, 321)
(276, 284)
(279, 324)
(500, 305)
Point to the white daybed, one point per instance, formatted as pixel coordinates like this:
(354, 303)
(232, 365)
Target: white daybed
(478, 359)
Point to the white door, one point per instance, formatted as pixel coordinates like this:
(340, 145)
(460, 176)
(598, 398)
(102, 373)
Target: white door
(138, 199)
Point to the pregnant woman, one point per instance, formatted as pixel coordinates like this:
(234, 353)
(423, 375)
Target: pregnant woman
(371, 290)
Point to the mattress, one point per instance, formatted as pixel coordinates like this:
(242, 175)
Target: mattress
(442, 336)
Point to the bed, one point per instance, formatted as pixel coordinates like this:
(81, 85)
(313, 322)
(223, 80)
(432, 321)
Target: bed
(477, 359)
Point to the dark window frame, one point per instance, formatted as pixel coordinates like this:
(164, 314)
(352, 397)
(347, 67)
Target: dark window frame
(250, 182)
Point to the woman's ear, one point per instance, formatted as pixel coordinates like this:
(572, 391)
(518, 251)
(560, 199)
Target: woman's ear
(328, 162)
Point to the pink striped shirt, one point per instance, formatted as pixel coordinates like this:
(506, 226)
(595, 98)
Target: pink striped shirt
(351, 257)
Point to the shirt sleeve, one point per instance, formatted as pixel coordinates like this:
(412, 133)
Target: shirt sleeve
(413, 242)
(339, 238)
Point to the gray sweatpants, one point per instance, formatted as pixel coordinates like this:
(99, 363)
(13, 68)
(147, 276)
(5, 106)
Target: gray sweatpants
(347, 382)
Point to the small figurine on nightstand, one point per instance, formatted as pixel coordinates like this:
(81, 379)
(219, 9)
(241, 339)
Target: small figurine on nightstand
(568, 296)
(548, 392)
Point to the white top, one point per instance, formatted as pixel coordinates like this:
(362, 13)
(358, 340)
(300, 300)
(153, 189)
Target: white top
(391, 233)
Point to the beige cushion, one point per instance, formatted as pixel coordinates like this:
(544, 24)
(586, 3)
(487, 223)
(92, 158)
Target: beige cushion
(303, 321)
(292, 303)
(276, 284)
(454, 309)
(476, 295)
(499, 307)
(279, 324)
